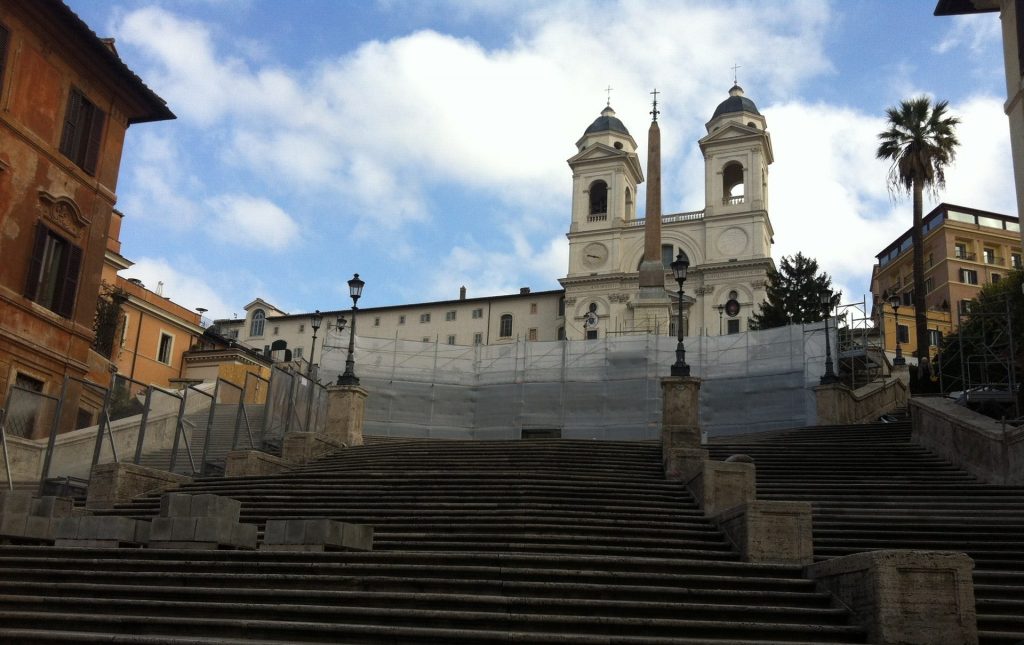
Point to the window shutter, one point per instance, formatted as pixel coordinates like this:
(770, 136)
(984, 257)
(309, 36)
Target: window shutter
(71, 116)
(66, 304)
(35, 263)
(4, 38)
(92, 150)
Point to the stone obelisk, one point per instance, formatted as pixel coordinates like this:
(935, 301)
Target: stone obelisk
(652, 309)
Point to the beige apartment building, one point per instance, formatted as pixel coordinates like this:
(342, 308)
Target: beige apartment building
(965, 249)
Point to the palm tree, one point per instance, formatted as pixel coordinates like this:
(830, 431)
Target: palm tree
(920, 140)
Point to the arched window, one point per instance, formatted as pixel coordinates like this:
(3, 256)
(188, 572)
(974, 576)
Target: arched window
(259, 317)
(598, 198)
(629, 204)
(732, 183)
(506, 326)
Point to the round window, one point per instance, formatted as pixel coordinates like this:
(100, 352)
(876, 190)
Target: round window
(732, 307)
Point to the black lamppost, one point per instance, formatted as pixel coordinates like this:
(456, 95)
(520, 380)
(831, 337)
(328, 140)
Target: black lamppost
(829, 377)
(894, 302)
(679, 267)
(314, 321)
(720, 309)
(355, 289)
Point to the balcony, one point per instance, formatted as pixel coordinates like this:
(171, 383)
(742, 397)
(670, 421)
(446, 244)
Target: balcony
(965, 255)
(597, 217)
(995, 259)
(732, 201)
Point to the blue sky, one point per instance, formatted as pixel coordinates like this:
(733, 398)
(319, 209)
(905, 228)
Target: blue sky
(422, 144)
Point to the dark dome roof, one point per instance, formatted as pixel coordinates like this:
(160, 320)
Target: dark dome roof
(735, 103)
(607, 121)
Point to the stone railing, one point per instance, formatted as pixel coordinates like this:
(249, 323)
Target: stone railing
(838, 404)
(690, 216)
(987, 448)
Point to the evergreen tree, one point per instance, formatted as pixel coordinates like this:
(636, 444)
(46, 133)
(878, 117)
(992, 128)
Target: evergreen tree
(794, 294)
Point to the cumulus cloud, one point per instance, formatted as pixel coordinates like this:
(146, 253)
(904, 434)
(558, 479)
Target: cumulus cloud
(252, 220)
(187, 289)
(975, 33)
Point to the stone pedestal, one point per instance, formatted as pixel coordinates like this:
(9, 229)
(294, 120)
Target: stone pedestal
(304, 447)
(316, 535)
(680, 416)
(249, 463)
(110, 484)
(683, 464)
(25, 519)
(102, 532)
(902, 372)
(346, 409)
(776, 532)
(906, 597)
(719, 486)
(200, 522)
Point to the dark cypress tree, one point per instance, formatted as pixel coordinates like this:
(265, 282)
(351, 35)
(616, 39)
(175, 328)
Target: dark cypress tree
(794, 294)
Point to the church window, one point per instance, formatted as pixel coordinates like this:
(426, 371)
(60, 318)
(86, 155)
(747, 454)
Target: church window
(732, 183)
(506, 326)
(259, 319)
(733, 295)
(618, 145)
(733, 326)
(276, 329)
(561, 306)
(451, 339)
(531, 334)
(629, 204)
(53, 272)
(478, 339)
(599, 198)
(83, 129)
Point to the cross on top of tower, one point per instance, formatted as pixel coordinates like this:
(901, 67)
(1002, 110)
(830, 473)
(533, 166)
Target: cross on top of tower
(609, 91)
(654, 109)
(734, 77)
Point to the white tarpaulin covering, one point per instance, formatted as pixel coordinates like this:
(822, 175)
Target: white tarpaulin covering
(601, 389)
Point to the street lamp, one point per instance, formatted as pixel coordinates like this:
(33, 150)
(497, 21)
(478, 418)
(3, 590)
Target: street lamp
(679, 267)
(314, 321)
(894, 302)
(829, 377)
(355, 289)
(720, 309)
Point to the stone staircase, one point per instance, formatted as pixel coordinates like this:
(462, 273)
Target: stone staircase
(221, 437)
(872, 488)
(547, 541)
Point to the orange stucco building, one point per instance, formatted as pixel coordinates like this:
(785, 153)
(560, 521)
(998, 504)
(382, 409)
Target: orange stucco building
(66, 102)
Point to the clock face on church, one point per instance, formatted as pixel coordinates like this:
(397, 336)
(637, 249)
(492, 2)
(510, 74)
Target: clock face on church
(595, 254)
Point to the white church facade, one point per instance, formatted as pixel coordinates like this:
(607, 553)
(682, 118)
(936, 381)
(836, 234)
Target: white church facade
(728, 245)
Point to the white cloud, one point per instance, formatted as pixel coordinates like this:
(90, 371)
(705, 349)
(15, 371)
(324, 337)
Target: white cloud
(976, 33)
(184, 288)
(982, 175)
(252, 220)
(428, 108)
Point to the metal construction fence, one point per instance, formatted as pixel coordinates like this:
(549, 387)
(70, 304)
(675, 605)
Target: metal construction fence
(605, 389)
(57, 440)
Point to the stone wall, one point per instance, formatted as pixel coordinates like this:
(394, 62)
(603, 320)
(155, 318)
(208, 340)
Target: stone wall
(838, 404)
(983, 446)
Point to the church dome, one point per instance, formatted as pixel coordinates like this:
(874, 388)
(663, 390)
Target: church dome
(735, 103)
(606, 122)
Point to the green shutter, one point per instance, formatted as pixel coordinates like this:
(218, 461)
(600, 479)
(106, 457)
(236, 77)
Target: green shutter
(92, 151)
(66, 299)
(35, 263)
(69, 138)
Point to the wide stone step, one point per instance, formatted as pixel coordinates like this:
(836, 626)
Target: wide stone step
(311, 606)
(405, 626)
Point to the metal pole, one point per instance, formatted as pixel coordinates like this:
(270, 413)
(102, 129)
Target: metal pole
(104, 424)
(3, 439)
(53, 436)
(349, 377)
(142, 426)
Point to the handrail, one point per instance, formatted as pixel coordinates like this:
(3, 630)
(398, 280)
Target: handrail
(3, 443)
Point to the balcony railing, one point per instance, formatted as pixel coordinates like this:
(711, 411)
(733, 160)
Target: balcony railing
(995, 259)
(965, 255)
(730, 201)
(672, 218)
(597, 217)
